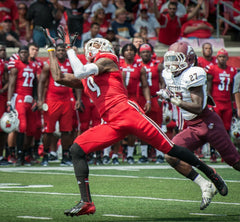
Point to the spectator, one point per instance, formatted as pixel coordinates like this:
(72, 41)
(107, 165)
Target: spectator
(181, 10)
(92, 33)
(170, 29)
(150, 22)
(196, 27)
(121, 27)
(25, 34)
(110, 35)
(236, 16)
(132, 9)
(7, 35)
(119, 4)
(100, 18)
(9, 7)
(86, 20)
(42, 13)
(108, 7)
(74, 17)
(207, 56)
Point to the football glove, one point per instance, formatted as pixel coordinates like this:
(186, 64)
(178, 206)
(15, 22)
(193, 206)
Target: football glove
(51, 42)
(63, 34)
(165, 94)
(176, 101)
(9, 107)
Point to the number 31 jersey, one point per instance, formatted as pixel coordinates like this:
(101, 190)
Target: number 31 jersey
(180, 85)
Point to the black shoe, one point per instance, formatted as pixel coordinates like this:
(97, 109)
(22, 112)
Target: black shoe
(219, 183)
(52, 157)
(115, 161)
(106, 160)
(66, 161)
(130, 160)
(160, 159)
(143, 159)
(99, 161)
(45, 160)
(4, 162)
(81, 208)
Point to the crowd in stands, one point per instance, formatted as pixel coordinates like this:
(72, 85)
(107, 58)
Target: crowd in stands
(135, 27)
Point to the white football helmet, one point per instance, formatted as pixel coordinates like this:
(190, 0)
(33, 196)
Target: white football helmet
(167, 114)
(96, 45)
(180, 55)
(235, 129)
(9, 121)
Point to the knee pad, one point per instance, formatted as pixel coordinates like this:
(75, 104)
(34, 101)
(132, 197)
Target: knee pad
(77, 151)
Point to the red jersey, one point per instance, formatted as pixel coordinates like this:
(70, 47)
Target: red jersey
(152, 76)
(25, 76)
(55, 90)
(2, 67)
(170, 29)
(200, 33)
(203, 62)
(133, 74)
(222, 82)
(106, 90)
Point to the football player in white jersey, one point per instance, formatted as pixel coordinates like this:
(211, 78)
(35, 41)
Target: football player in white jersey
(186, 88)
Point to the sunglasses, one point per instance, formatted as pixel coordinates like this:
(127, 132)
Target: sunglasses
(8, 21)
(22, 8)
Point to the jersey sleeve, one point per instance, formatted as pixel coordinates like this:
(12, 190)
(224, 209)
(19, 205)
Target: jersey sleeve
(195, 77)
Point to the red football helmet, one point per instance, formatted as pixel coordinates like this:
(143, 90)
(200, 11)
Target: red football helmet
(180, 55)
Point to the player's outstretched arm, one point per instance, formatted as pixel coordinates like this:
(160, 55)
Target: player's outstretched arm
(66, 79)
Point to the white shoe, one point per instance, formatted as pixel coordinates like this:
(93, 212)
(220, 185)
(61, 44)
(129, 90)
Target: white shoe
(208, 192)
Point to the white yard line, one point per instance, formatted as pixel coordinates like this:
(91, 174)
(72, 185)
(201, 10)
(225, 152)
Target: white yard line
(36, 218)
(116, 215)
(115, 196)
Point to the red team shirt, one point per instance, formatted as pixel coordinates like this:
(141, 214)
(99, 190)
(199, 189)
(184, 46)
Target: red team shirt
(56, 91)
(133, 73)
(3, 97)
(203, 62)
(122, 116)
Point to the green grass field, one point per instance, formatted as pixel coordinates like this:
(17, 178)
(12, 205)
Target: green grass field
(121, 193)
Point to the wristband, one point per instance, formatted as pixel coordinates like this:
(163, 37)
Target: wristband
(148, 101)
(51, 49)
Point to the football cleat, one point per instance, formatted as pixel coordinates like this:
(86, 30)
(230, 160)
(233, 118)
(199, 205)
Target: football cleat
(115, 161)
(106, 160)
(45, 160)
(81, 208)
(208, 192)
(130, 160)
(160, 159)
(219, 183)
(143, 159)
(66, 161)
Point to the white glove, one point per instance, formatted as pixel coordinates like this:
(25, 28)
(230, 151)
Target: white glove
(164, 94)
(176, 101)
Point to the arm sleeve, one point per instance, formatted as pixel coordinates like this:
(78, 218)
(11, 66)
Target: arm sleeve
(81, 71)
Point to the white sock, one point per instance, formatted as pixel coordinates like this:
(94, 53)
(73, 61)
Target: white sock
(200, 181)
(130, 150)
(159, 153)
(106, 151)
(53, 153)
(144, 150)
(1, 157)
(114, 156)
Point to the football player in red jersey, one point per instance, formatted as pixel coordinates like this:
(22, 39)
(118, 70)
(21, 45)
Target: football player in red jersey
(134, 75)
(155, 81)
(220, 82)
(103, 82)
(207, 57)
(3, 100)
(23, 87)
(59, 106)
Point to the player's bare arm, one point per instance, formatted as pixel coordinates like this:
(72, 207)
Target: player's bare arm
(145, 89)
(66, 79)
(197, 101)
(106, 65)
(12, 82)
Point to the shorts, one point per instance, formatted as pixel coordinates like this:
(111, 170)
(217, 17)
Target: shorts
(119, 121)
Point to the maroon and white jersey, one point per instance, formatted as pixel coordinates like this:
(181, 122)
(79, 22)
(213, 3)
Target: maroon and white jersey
(25, 76)
(222, 82)
(56, 91)
(107, 89)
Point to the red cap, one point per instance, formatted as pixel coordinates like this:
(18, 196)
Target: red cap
(143, 7)
(7, 17)
(222, 52)
(145, 47)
